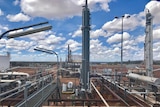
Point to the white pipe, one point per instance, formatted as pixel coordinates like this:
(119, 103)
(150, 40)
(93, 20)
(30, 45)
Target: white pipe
(104, 101)
(152, 80)
(14, 73)
(7, 81)
(10, 81)
(19, 83)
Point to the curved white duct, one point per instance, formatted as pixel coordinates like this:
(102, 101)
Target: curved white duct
(11, 81)
(14, 73)
(151, 80)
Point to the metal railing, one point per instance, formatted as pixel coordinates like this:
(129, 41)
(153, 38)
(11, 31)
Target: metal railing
(35, 87)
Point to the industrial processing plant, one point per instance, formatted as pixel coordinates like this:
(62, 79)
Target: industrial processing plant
(77, 81)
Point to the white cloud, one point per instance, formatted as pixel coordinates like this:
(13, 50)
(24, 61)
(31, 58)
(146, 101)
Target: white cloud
(52, 39)
(156, 47)
(78, 32)
(140, 38)
(1, 12)
(154, 7)
(100, 52)
(156, 34)
(96, 47)
(117, 38)
(2, 42)
(58, 9)
(3, 27)
(74, 45)
(16, 2)
(93, 33)
(156, 51)
(51, 9)
(130, 23)
(18, 45)
(97, 33)
(50, 42)
(18, 17)
(33, 57)
(103, 5)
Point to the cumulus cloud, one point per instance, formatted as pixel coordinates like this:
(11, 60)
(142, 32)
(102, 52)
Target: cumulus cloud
(77, 33)
(97, 33)
(52, 39)
(18, 17)
(16, 2)
(130, 23)
(58, 9)
(1, 12)
(103, 5)
(2, 42)
(50, 42)
(117, 38)
(156, 50)
(140, 39)
(96, 46)
(156, 34)
(51, 9)
(156, 47)
(100, 52)
(3, 28)
(93, 33)
(74, 45)
(18, 45)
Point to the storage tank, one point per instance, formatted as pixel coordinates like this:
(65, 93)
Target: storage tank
(64, 87)
(70, 85)
(4, 62)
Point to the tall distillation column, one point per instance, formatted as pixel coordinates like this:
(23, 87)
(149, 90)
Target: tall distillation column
(148, 46)
(85, 80)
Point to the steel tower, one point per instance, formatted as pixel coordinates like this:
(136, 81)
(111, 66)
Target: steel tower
(85, 80)
(148, 46)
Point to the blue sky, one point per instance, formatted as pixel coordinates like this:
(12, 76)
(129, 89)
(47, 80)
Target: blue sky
(65, 18)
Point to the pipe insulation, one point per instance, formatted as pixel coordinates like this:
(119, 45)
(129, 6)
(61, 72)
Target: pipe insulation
(14, 73)
(150, 80)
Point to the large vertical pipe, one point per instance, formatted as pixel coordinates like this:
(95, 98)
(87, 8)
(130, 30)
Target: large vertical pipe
(149, 44)
(85, 47)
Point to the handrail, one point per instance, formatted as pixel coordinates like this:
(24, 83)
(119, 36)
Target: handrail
(22, 87)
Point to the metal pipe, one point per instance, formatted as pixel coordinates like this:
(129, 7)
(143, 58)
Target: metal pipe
(151, 80)
(133, 99)
(104, 101)
(14, 73)
(116, 95)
